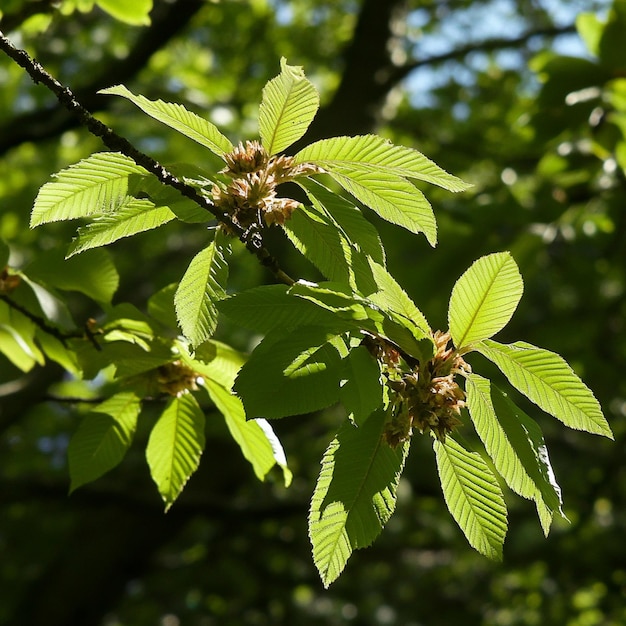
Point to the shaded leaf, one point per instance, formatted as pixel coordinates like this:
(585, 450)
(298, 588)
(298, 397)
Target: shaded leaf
(93, 273)
(300, 373)
(355, 494)
(175, 445)
(545, 378)
(289, 104)
(473, 497)
(362, 390)
(484, 299)
(347, 218)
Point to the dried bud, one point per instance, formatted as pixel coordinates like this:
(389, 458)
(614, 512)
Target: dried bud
(176, 378)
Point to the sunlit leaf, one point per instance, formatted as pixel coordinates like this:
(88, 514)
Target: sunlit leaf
(394, 198)
(97, 184)
(175, 445)
(203, 284)
(136, 12)
(484, 299)
(361, 391)
(103, 438)
(546, 379)
(355, 494)
(176, 116)
(379, 155)
(258, 442)
(289, 104)
(135, 216)
(473, 496)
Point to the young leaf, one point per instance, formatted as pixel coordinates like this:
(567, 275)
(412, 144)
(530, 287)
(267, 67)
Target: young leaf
(300, 373)
(484, 299)
(258, 443)
(355, 494)
(56, 351)
(361, 391)
(527, 439)
(175, 445)
(473, 497)
(289, 104)
(93, 274)
(394, 198)
(346, 217)
(203, 284)
(379, 155)
(391, 297)
(103, 438)
(134, 216)
(17, 349)
(176, 116)
(545, 378)
(97, 184)
(519, 455)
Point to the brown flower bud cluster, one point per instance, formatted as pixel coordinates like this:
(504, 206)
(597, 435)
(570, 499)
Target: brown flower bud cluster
(427, 397)
(176, 378)
(251, 195)
(8, 282)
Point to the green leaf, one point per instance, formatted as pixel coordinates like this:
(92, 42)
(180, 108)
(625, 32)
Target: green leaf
(527, 439)
(289, 104)
(161, 306)
(59, 353)
(257, 440)
(362, 390)
(347, 218)
(98, 184)
(545, 378)
(355, 494)
(103, 438)
(136, 12)
(290, 374)
(135, 216)
(392, 197)
(473, 497)
(379, 155)
(590, 28)
(265, 308)
(391, 297)
(17, 349)
(92, 274)
(176, 116)
(203, 284)
(518, 453)
(484, 299)
(175, 445)
(215, 361)
(319, 240)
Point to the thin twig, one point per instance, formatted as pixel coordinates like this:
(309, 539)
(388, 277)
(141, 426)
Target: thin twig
(253, 240)
(41, 323)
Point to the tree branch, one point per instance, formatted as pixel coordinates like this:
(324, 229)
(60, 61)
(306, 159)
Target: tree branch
(251, 238)
(488, 45)
(167, 21)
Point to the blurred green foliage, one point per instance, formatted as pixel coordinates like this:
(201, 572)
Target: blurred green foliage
(540, 133)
